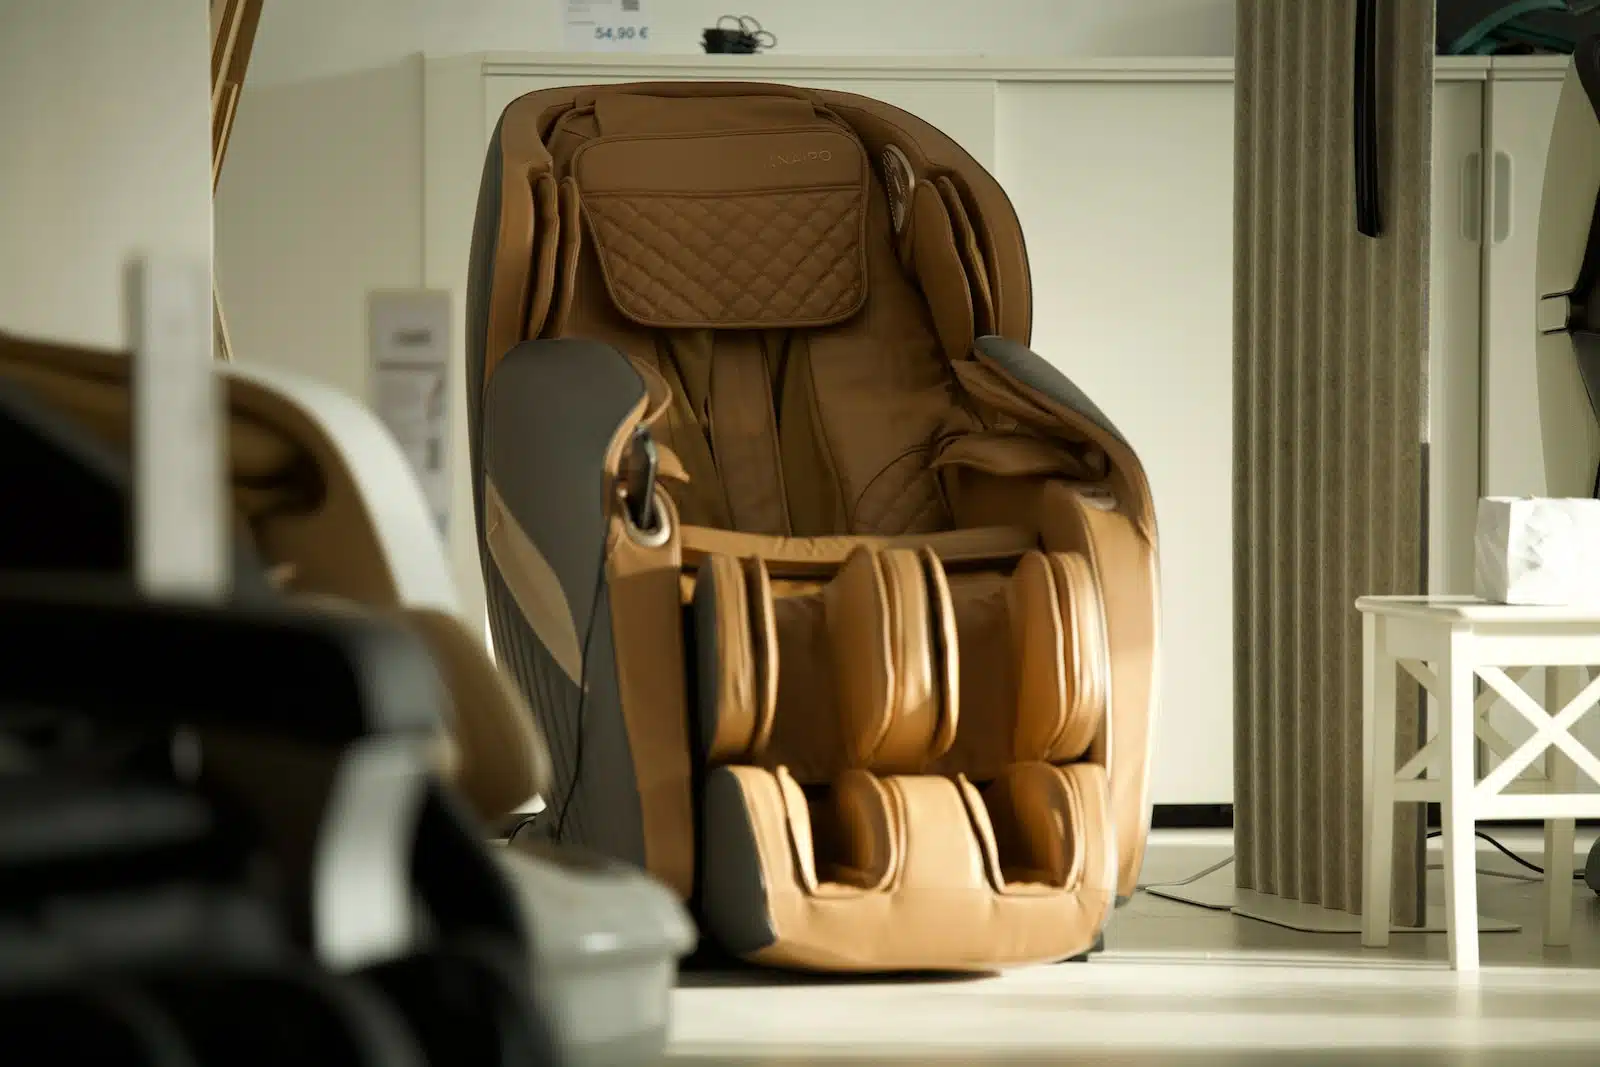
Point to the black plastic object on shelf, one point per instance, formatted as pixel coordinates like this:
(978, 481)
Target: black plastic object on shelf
(737, 35)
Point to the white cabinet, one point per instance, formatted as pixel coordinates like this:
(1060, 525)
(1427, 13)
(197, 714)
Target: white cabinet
(1455, 282)
(1492, 122)
(964, 108)
(1519, 110)
(1455, 302)
(1125, 191)
(1539, 436)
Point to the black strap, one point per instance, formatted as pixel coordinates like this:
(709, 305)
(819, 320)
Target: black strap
(1369, 215)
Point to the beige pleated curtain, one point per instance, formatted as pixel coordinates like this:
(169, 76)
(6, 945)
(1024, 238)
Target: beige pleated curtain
(1331, 341)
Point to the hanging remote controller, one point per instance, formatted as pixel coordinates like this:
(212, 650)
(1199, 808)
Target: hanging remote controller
(643, 463)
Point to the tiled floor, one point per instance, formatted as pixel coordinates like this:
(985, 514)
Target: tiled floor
(1181, 985)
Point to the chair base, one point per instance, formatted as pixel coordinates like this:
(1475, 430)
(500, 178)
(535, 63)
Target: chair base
(1098, 947)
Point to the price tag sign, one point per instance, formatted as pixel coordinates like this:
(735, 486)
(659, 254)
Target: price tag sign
(606, 25)
(409, 345)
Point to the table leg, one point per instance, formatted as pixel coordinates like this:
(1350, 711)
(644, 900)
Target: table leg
(1562, 774)
(1460, 849)
(1380, 676)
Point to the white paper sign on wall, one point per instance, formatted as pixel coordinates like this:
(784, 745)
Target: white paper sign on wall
(409, 337)
(606, 25)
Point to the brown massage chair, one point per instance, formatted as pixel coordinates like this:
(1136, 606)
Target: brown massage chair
(836, 605)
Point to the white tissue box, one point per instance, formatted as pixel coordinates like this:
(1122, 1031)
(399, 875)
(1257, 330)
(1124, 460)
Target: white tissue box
(1533, 550)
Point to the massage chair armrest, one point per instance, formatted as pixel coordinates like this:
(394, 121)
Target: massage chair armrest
(1119, 532)
(98, 649)
(1052, 394)
(570, 400)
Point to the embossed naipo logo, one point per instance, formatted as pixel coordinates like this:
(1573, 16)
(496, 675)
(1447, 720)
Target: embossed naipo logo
(898, 183)
(795, 158)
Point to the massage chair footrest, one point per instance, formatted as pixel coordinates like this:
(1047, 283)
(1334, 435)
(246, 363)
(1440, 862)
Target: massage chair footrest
(908, 872)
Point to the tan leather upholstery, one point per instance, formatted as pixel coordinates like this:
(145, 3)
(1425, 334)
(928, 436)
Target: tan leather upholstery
(876, 692)
(299, 505)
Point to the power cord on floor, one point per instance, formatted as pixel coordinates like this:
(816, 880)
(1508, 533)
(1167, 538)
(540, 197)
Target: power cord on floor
(1577, 875)
(1191, 880)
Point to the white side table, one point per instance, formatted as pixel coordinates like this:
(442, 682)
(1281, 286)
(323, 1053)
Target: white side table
(1448, 644)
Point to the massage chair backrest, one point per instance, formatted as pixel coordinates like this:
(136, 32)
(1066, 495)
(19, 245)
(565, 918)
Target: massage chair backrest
(534, 263)
(666, 218)
(325, 497)
(661, 214)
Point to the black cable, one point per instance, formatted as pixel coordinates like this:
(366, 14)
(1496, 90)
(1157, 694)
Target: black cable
(525, 821)
(1577, 876)
(1193, 878)
(753, 36)
(583, 692)
(752, 29)
(583, 697)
